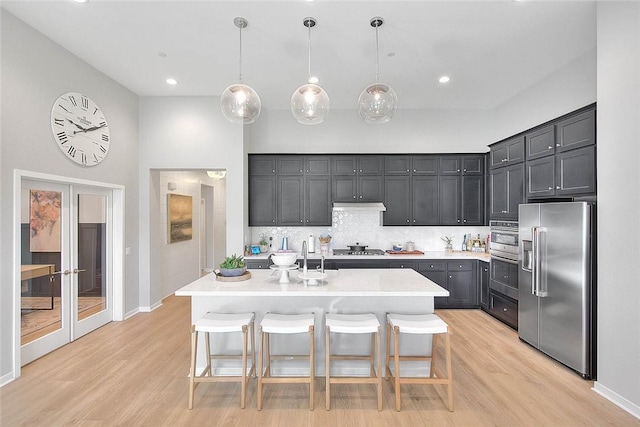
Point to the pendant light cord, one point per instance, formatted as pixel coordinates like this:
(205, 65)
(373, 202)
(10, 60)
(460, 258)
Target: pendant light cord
(309, 73)
(240, 58)
(377, 55)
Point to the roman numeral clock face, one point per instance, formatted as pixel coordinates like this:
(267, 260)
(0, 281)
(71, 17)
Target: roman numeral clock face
(80, 129)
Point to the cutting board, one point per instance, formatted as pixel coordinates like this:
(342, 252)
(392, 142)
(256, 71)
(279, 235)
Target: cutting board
(389, 251)
(244, 276)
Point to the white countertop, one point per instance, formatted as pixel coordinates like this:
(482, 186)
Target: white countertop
(357, 282)
(483, 256)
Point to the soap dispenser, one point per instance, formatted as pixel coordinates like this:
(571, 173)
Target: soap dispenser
(311, 244)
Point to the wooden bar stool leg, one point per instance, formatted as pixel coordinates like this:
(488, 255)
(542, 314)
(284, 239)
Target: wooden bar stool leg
(312, 369)
(449, 369)
(260, 359)
(379, 384)
(207, 348)
(327, 367)
(387, 370)
(396, 360)
(192, 370)
(243, 387)
(434, 355)
(253, 349)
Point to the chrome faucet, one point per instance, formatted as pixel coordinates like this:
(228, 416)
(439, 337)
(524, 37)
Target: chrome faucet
(305, 253)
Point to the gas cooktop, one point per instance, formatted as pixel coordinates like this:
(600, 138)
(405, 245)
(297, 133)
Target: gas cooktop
(364, 252)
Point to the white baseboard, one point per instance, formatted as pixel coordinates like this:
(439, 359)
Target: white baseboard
(148, 309)
(131, 313)
(618, 400)
(6, 379)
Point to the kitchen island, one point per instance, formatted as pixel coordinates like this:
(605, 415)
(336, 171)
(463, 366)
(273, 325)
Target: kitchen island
(342, 291)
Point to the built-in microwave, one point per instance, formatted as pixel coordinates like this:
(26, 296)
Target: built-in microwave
(504, 240)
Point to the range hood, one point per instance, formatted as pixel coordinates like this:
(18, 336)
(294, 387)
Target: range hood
(359, 206)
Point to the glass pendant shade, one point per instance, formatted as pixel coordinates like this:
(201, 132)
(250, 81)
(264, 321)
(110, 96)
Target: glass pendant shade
(240, 104)
(310, 104)
(377, 103)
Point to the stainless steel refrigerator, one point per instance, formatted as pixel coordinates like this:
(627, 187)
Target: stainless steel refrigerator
(556, 282)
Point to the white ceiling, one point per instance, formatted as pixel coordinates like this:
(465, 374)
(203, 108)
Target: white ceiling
(491, 49)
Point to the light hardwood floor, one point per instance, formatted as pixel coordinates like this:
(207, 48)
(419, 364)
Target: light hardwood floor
(134, 373)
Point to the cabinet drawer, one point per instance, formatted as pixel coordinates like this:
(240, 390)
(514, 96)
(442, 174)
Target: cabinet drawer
(460, 265)
(401, 264)
(432, 266)
(504, 309)
(257, 264)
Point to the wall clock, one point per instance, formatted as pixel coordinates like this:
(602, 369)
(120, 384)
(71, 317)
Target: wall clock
(80, 129)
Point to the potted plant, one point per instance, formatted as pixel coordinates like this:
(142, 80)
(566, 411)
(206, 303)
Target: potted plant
(233, 266)
(264, 245)
(448, 239)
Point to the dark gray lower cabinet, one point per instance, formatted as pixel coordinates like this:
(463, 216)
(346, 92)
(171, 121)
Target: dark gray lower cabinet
(503, 308)
(458, 277)
(483, 282)
(262, 196)
(257, 264)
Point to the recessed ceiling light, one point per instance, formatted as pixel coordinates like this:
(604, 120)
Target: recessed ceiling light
(171, 81)
(162, 54)
(444, 79)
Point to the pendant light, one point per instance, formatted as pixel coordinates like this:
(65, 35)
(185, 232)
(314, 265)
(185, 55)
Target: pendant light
(310, 103)
(239, 102)
(378, 101)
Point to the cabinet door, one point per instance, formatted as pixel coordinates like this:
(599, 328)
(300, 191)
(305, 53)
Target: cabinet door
(290, 200)
(371, 165)
(449, 165)
(439, 278)
(317, 200)
(397, 165)
(425, 200)
(515, 190)
(317, 165)
(402, 264)
(344, 165)
(473, 165)
(370, 188)
(515, 150)
(541, 177)
(473, 200)
(397, 190)
(540, 143)
(576, 131)
(483, 271)
(498, 155)
(498, 188)
(262, 165)
(425, 165)
(449, 199)
(462, 289)
(290, 165)
(262, 200)
(344, 188)
(575, 171)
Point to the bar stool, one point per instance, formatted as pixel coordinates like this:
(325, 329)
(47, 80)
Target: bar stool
(222, 323)
(285, 324)
(354, 324)
(418, 324)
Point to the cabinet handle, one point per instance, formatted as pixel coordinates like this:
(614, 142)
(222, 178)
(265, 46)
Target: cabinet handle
(354, 171)
(273, 170)
(307, 220)
(550, 147)
(450, 277)
(354, 196)
(414, 170)
(464, 170)
(414, 220)
(505, 211)
(301, 171)
(301, 221)
(360, 170)
(408, 221)
(558, 145)
(361, 196)
(504, 309)
(457, 170)
(503, 160)
(407, 170)
(458, 221)
(464, 220)
(486, 269)
(431, 266)
(550, 188)
(557, 187)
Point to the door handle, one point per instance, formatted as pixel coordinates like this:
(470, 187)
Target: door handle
(76, 271)
(66, 272)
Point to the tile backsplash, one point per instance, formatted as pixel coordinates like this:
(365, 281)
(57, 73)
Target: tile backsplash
(358, 227)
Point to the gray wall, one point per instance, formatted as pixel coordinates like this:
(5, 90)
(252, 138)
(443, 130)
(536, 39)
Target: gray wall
(35, 71)
(619, 203)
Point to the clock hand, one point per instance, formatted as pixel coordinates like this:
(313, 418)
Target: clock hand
(76, 125)
(95, 127)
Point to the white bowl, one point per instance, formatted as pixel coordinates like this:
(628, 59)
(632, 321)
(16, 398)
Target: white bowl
(284, 259)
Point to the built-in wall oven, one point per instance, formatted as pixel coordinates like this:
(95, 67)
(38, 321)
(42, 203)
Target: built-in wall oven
(503, 276)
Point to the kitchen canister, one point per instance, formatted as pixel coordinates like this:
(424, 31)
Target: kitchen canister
(410, 247)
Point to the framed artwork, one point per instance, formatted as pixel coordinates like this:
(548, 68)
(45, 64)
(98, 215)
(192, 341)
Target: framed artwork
(44, 221)
(180, 217)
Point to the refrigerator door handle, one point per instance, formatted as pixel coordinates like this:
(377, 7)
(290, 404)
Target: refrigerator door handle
(539, 283)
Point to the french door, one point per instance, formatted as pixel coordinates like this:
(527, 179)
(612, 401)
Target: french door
(66, 264)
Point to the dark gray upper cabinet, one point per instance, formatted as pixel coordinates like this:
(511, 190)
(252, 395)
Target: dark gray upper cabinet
(371, 165)
(370, 188)
(565, 174)
(397, 190)
(541, 142)
(450, 165)
(425, 200)
(344, 165)
(473, 165)
(262, 165)
(317, 200)
(317, 165)
(290, 165)
(461, 190)
(425, 165)
(262, 200)
(507, 152)
(344, 188)
(398, 165)
(506, 186)
(449, 200)
(472, 200)
(576, 131)
(290, 200)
